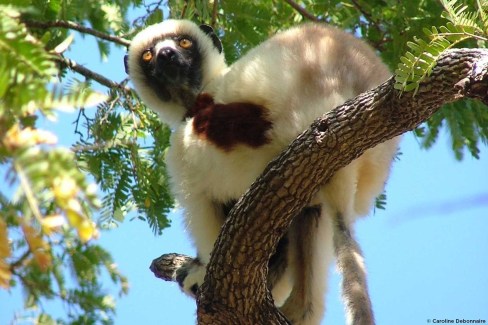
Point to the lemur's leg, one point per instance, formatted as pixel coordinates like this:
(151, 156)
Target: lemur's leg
(280, 275)
(310, 256)
(204, 219)
(190, 277)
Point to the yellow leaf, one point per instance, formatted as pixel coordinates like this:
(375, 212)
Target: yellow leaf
(64, 188)
(86, 228)
(87, 231)
(43, 259)
(75, 218)
(34, 241)
(34, 238)
(37, 246)
(17, 137)
(5, 275)
(4, 244)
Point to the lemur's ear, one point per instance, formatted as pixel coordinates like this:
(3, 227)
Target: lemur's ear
(207, 29)
(126, 63)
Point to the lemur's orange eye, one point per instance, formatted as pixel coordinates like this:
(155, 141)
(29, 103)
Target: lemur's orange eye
(147, 56)
(185, 43)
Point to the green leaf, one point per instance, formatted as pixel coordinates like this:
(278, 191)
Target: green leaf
(155, 17)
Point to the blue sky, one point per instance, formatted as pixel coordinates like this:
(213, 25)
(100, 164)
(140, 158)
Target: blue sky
(427, 253)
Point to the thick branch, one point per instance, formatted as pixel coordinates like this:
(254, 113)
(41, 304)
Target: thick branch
(77, 27)
(263, 214)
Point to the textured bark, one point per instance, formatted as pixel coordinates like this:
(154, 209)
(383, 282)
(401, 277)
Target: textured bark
(166, 266)
(234, 291)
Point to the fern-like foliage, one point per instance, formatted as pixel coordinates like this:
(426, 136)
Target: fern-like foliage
(463, 24)
(466, 121)
(125, 153)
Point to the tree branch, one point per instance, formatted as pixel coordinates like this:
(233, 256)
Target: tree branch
(91, 74)
(264, 213)
(367, 15)
(77, 27)
(302, 11)
(72, 64)
(215, 9)
(20, 261)
(166, 266)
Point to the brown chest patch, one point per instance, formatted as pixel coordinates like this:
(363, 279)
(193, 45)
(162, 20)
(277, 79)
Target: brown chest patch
(227, 125)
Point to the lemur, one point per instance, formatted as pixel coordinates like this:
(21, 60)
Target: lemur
(229, 122)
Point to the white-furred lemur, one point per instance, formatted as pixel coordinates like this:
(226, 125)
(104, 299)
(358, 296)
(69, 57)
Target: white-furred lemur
(229, 122)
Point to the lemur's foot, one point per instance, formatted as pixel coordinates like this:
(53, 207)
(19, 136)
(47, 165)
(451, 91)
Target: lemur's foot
(190, 277)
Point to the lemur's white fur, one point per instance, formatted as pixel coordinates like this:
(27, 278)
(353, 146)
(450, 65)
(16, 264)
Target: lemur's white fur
(297, 75)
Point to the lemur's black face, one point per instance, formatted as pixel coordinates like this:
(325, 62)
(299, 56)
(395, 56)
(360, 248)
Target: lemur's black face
(170, 59)
(172, 66)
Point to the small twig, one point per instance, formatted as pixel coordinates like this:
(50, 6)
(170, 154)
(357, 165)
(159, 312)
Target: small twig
(302, 11)
(77, 122)
(77, 27)
(366, 14)
(91, 74)
(214, 13)
(368, 17)
(72, 64)
(26, 187)
(105, 145)
(139, 22)
(18, 263)
(183, 11)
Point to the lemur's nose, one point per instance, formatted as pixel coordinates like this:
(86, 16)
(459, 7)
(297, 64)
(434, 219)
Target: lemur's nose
(166, 54)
